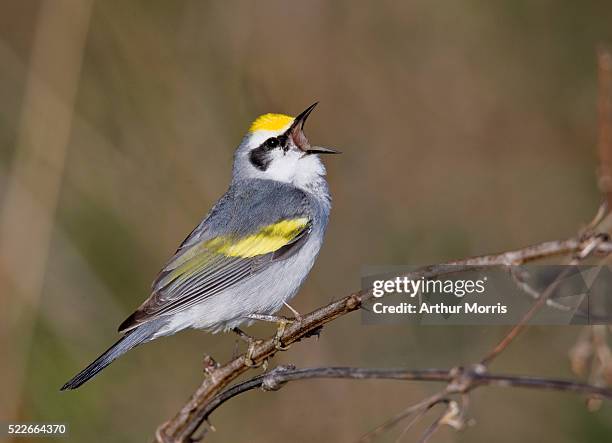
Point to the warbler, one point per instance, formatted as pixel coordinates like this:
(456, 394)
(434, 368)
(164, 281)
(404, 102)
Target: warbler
(250, 254)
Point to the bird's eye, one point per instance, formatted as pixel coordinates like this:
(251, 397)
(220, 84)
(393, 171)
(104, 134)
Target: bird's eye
(272, 142)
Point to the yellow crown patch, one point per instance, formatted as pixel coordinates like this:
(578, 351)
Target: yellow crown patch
(271, 122)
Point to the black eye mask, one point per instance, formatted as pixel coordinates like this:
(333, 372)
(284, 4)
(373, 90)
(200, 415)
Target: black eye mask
(260, 157)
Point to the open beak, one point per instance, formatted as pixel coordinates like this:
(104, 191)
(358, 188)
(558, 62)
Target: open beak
(322, 150)
(296, 132)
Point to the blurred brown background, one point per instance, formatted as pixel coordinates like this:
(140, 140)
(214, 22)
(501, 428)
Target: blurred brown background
(467, 127)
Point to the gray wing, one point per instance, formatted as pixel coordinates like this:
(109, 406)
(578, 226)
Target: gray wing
(256, 223)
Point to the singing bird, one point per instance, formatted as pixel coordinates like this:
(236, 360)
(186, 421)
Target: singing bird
(250, 254)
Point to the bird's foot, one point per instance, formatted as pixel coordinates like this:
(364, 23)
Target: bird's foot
(248, 358)
(252, 342)
(278, 343)
(282, 325)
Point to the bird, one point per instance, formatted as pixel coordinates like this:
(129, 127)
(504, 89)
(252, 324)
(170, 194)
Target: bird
(250, 254)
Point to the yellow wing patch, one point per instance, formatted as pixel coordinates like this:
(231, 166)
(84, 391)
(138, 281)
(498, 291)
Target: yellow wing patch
(271, 122)
(268, 239)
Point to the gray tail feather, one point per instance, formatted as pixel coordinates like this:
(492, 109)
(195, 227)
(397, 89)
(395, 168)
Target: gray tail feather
(130, 340)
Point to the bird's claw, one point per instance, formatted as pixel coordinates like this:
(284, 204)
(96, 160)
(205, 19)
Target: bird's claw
(278, 344)
(248, 358)
(282, 325)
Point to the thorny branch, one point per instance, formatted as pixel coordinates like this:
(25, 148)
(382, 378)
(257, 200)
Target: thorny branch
(461, 380)
(184, 424)
(591, 350)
